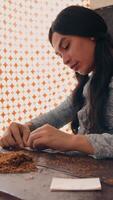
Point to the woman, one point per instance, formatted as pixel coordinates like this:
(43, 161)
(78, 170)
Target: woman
(80, 37)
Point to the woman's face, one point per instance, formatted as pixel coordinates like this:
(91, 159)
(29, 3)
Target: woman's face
(77, 52)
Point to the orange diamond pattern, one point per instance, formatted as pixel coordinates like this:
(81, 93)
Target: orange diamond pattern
(32, 79)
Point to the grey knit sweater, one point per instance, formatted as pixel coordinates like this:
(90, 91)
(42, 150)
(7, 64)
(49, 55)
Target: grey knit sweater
(64, 113)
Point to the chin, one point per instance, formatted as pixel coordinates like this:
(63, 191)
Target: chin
(83, 73)
(85, 69)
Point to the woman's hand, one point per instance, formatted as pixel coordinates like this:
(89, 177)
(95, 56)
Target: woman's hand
(16, 135)
(49, 137)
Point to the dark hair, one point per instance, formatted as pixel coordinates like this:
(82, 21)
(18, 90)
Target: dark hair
(81, 21)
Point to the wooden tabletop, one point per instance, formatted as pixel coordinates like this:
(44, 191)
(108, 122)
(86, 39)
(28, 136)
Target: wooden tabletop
(36, 185)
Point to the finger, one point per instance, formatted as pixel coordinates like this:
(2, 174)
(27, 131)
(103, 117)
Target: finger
(26, 133)
(16, 134)
(10, 140)
(3, 142)
(39, 132)
(38, 143)
(34, 136)
(7, 139)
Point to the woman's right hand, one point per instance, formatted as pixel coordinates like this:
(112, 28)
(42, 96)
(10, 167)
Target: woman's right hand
(16, 135)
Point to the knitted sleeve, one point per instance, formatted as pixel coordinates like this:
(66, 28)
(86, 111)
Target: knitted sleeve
(103, 143)
(57, 117)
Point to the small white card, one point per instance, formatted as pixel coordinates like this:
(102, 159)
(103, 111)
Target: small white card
(77, 184)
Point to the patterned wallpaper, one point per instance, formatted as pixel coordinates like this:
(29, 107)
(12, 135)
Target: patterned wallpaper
(32, 79)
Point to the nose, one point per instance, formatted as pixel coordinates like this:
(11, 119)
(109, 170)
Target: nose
(66, 59)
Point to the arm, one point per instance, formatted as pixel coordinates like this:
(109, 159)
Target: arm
(57, 117)
(103, 143)
(17, 134)
(51, 137)
(98, 145)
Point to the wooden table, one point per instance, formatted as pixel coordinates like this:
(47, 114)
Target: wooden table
(36, 185)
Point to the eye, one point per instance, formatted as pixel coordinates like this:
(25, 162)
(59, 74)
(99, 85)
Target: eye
(65, 45)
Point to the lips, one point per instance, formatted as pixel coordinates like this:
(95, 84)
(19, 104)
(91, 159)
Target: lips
(75, 66)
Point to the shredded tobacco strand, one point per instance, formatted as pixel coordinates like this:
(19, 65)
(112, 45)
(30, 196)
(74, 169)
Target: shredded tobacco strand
(16, 162)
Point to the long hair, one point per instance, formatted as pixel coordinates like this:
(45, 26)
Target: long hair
(98, 88)
(103, 62)
(78, 98)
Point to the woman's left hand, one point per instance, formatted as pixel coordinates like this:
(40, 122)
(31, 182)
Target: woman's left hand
(50, 137)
